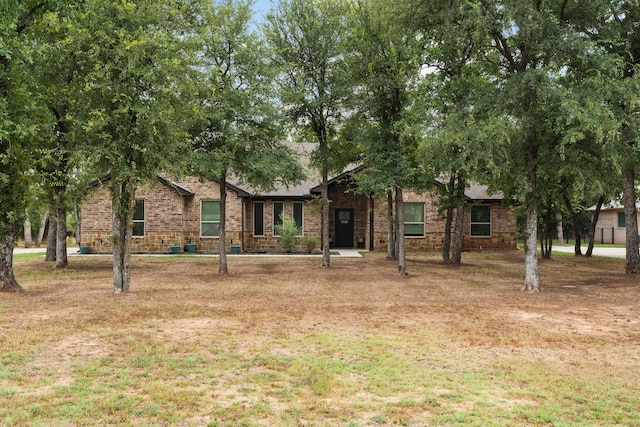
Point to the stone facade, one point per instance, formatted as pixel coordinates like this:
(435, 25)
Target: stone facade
(343, 196)
(173, 218)
(268, 241)
(503, 226)
(170, 218)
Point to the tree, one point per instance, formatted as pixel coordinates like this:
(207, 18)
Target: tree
(17, 129)
(616, 31)
(240, 134)
(56, 74)
(532, 43)
(307, 45)
(455, 90)
(137, 62)
(384, 66)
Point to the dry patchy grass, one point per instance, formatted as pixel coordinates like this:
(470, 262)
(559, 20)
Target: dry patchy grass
(282, 342)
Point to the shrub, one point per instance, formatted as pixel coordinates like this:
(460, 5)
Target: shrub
(289, 234)
(311, 242)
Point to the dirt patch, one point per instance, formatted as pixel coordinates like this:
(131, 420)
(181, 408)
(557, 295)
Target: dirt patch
(478, 297)
(586, 319)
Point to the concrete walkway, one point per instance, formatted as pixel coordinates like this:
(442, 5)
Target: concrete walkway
(604, 252)
(348, 253)
(42, 250)
(342, 253)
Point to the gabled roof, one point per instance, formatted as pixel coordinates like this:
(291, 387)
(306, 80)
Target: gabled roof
(338, 178)
(477, 192)
(300, 190)
(180, 189)
(611, 205)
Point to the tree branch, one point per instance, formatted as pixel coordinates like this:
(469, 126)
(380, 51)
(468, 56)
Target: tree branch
(24, 22)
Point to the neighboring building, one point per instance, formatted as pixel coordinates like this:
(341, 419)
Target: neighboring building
(173, 212)
(611, 225)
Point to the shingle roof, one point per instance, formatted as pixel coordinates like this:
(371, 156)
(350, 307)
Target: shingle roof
(479, 192)
(311, 185)
(612, 204)
(180, 189)
(299, 190)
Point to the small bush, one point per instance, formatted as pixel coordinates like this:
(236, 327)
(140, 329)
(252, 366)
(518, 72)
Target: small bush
(311, 242)
(289, 234)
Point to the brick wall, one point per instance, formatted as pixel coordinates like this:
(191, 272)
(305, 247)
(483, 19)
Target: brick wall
(173, 219)
(267, 241)
(342, 196)
(503, 227)
(170, 219)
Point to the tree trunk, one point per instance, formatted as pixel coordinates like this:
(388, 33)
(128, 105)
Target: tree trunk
(592, 227)
(76, 216)
(43, 224)
(326, 249)
(459, 226)
(61, 239)
(391, 229)
(123, 202)
(448, 220)
(402, 260)
(546, 243)
(28, 241)
(396, 234)
(446, 241)
(631, 217)
(577, 235)
(7, 243)
(51, 237)
(559, 229)
(531, 272)
(222, 247)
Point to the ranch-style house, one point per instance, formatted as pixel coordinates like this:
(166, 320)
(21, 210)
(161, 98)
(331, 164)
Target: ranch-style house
(187, 211)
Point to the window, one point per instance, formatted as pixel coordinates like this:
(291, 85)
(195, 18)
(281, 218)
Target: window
(138, 218)
(481, 221)
(622, 220)
(297, 216)
(414, 219)
(209, 218)
(258, 218)
(278, 208)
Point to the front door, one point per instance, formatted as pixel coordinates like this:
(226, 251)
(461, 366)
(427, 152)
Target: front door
(344, 228)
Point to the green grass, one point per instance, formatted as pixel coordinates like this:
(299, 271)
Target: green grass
(150, 383)
(27, 256)
(585, 243)
(187, 347)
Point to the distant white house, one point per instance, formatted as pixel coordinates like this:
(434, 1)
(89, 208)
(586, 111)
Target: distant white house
(611, 225)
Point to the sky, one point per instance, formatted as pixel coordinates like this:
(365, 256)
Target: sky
(261, 7)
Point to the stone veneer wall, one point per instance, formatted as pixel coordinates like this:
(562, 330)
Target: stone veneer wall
(269, 242)
(170, 219)
(342, 196)
(503, 227)
(173, 219)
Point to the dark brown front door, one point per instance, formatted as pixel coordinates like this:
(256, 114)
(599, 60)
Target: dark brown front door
(344, 228)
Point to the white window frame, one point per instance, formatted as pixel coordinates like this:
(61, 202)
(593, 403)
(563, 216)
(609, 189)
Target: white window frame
(416, 236)
(471, 222)
(138, 221)
(208, 222)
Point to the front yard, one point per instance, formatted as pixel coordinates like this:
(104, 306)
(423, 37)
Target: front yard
(281, 342)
